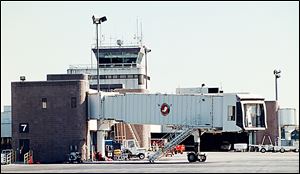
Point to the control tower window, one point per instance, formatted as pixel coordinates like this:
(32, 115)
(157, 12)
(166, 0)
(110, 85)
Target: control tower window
(104, 61)
(129, 60)
(117, 60)
(117, 56)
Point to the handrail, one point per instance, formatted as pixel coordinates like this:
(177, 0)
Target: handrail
(94, 67)
(187, 129)
(178, 128)
(28, 156)
(10, 156)
(107, 45)
(179, 138)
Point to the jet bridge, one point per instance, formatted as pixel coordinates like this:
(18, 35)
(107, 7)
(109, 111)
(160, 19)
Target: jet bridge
(226, 112)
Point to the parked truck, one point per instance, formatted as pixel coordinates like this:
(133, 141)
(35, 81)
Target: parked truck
(131, 147)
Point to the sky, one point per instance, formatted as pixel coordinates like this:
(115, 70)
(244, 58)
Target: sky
(231, 45)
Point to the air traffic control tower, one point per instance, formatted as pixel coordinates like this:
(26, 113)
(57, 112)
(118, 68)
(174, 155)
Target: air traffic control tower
(121, 67)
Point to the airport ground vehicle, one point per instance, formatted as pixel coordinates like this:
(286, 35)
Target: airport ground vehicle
(134, 154)
(179, 149)
(240, 147)
(282, 149)
(110, 146)
(275, 148)
(225, 146)
(74, 157)
(131, 147)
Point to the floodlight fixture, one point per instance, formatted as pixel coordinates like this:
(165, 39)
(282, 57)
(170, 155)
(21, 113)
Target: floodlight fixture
(277, 75)
(98, 21)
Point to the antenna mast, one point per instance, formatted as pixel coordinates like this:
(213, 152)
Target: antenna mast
(137, 30)
(141, 41)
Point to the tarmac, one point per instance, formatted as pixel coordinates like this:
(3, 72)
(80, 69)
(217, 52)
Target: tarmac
(217, 162)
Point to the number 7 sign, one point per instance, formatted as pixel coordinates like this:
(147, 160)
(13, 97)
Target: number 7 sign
(23, 128)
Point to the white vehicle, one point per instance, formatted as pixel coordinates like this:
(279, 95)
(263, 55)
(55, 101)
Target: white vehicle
(294, 148)
(283, 149)
(240, 147)
(133, 150)
(271, 148)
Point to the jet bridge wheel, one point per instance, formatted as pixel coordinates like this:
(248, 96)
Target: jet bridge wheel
(202, 158)
(192, 157)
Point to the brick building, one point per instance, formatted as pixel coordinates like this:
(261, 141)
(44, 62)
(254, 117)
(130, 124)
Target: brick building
(49, 117)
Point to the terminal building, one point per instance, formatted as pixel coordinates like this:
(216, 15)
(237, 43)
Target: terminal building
(53, 117)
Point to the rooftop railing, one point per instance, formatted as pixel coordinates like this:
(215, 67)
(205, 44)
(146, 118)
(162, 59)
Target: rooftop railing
(108, 65)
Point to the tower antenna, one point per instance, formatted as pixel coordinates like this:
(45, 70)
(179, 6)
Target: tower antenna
(141, 41)
(137, 30)
(91, 56)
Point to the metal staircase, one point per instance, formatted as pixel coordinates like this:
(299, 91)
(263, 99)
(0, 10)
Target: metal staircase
(187, 131)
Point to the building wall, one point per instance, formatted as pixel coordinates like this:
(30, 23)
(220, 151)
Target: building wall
(6, 122)
(6, 128)
(272, 123)
(51, 130)
(128, 83)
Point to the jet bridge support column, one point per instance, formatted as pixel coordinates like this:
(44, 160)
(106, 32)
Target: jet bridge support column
(102, 126)
(197, 140)
(196, 155)
(101, 142)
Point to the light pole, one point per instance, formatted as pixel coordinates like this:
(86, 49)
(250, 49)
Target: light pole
(277, 75)
(98, 21)
(100, 134)
(146, 51)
